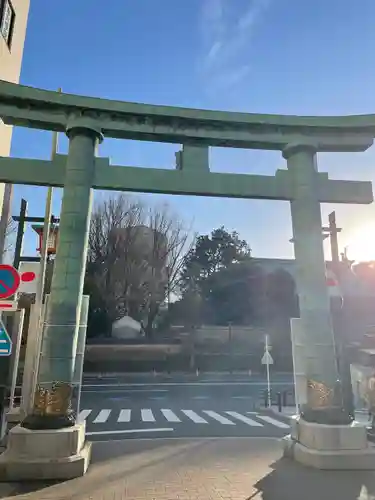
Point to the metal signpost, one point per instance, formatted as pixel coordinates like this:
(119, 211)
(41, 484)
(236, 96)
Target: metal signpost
(5, 352)
(10, 281)
(5, 341)
(16, 337)
(267, 360)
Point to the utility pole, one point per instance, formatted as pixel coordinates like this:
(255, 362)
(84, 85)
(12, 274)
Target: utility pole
(5, 217)
(333, 232)
(339, 320)
(20, 233)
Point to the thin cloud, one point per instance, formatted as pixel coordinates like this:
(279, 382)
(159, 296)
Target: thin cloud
(232, 77)
(253, 14)
(227, 35)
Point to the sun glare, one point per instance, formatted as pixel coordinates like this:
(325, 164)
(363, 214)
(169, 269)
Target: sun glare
(361, 244)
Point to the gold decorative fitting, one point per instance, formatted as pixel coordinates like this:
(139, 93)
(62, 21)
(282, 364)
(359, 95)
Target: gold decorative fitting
(55, 401)
(319, 395)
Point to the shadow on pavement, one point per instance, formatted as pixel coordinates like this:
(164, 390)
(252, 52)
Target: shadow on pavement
(109, 450)
(291, 481)
(233, 469)
(139, 461)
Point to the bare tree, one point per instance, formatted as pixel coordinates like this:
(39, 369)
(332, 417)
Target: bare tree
(167, 247)
(114, 269)
(134, 259)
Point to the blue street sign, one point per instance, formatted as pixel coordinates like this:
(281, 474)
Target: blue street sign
(5, 341)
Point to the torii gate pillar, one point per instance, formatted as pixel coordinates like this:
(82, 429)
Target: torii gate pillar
(323, 435)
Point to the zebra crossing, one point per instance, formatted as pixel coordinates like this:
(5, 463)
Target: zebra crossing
(163, 415)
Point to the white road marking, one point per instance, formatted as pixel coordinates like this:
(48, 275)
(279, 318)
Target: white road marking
(219, 418)
(147, 415)
(102, 417)
(200, 397)
(194, 417)
(124, 416)
(83, 414)
(124, 390)
(170, 416)
(129, 431)
(274, 422)
(185, 384)
(241, 397)
(242, 418)
(191, 438)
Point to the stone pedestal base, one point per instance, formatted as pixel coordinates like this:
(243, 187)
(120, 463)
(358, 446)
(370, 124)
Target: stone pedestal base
(15, 416)
(45, 454)
(330, 447)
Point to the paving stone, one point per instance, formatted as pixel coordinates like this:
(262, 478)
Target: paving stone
(199, 469)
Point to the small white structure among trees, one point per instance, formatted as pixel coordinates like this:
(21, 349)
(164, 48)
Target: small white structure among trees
(134, 261)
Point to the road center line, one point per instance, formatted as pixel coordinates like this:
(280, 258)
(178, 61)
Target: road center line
(129, 431)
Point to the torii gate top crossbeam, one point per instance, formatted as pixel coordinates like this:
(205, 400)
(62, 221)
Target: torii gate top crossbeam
(42, 109)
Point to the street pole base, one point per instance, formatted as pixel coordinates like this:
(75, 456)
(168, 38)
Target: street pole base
(40, 422)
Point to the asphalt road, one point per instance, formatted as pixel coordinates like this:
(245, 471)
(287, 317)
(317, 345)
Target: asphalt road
(133, 406)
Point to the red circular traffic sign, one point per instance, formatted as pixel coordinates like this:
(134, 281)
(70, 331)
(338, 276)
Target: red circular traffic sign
(9, 281)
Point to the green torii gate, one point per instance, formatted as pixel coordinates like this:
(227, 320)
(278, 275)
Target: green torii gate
(87, 120)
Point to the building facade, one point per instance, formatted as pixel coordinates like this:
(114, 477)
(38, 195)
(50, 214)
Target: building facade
(13, 24)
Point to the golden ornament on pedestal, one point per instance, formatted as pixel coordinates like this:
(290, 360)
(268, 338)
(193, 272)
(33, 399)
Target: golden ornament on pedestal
(319, 395)
(55, 401)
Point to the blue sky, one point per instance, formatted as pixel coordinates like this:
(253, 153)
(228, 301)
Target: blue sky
(271, 56)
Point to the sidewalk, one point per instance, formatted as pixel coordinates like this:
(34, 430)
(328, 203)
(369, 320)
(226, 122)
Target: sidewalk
(206, 469)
